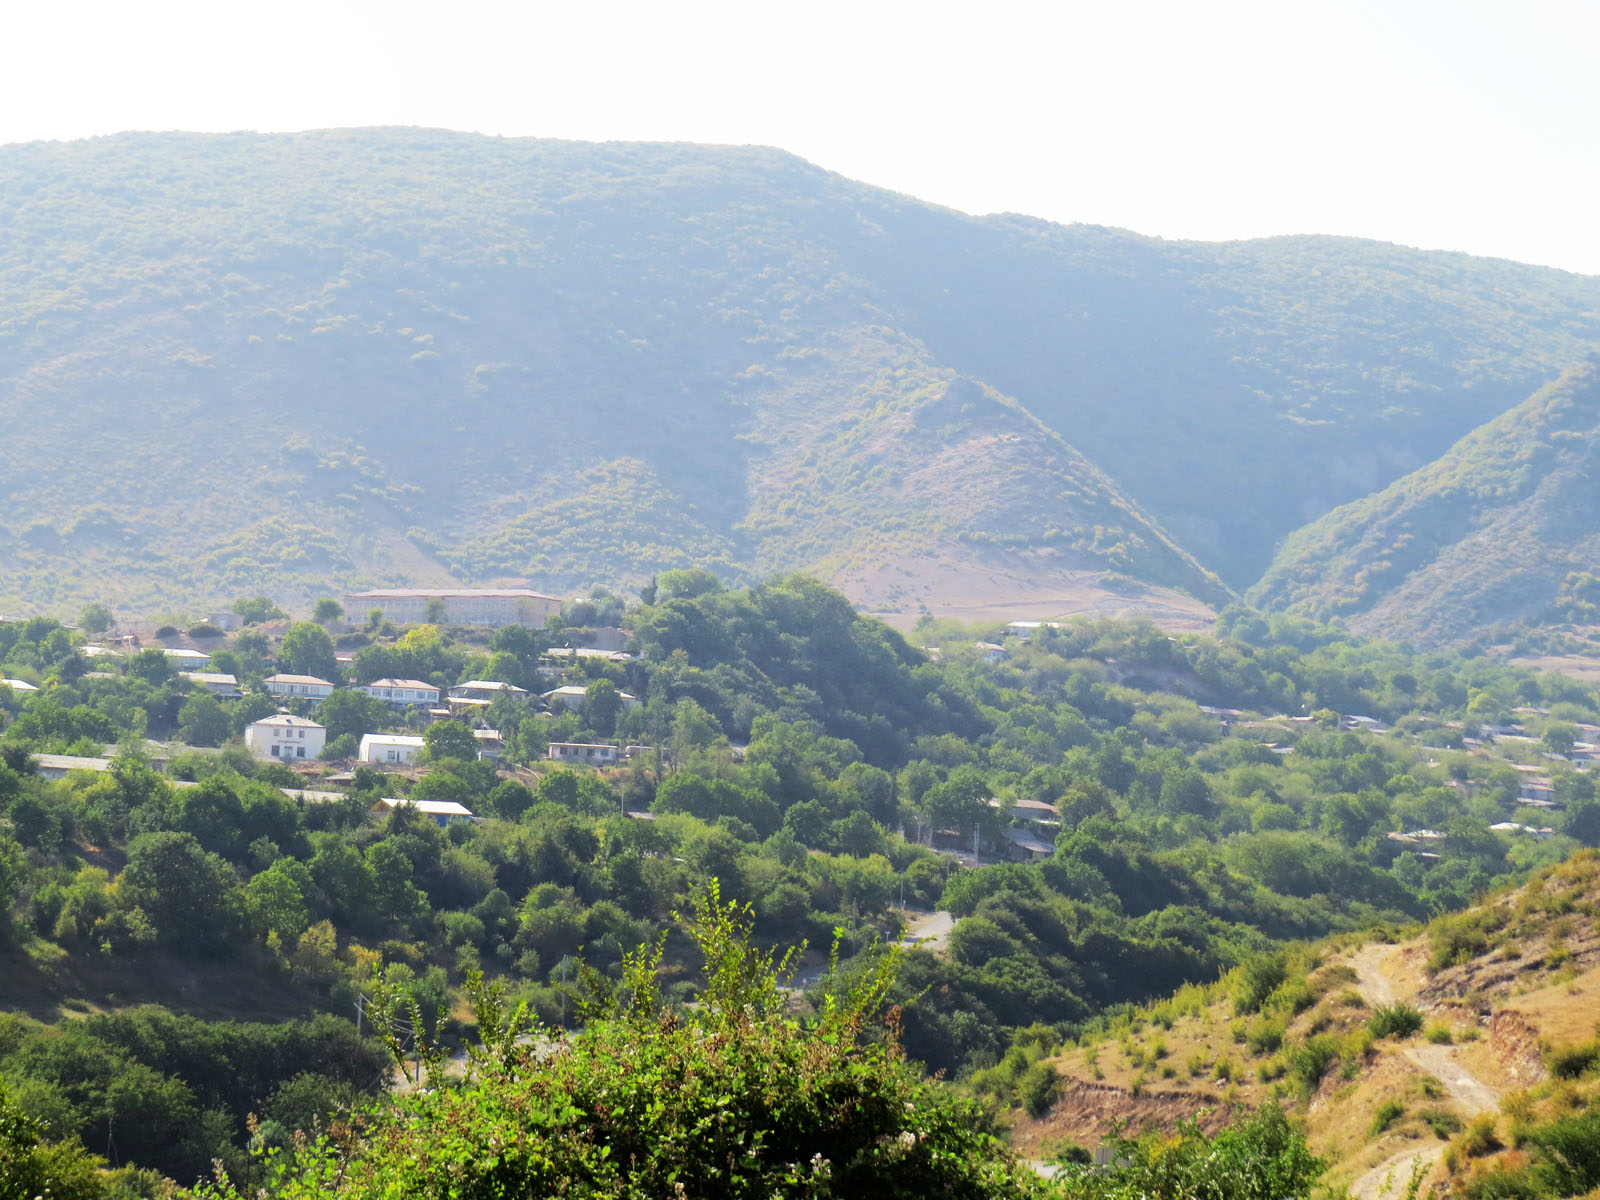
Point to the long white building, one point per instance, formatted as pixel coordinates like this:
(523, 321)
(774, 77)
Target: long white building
(401, 691)
(462, 606)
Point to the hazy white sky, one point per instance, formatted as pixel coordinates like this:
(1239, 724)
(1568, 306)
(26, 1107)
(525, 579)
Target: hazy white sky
(1452, 124)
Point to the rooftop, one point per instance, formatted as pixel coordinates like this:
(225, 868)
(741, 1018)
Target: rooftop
(449, 594)
(290, 720)
(434, 808)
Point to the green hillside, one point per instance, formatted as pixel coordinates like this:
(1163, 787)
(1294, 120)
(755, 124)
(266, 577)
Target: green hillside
(293, 362)
(1487, 535)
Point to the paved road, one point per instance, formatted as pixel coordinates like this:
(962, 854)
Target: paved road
(929, 929)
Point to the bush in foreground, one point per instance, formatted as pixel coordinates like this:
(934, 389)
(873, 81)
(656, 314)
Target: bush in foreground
(731, 1097)
(1263, 1157)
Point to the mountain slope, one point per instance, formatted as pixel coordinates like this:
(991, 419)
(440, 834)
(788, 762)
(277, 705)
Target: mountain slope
(424, 357)
(1484, 535)
(292, 362)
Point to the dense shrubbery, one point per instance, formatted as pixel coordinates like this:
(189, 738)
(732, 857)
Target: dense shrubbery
(1263, 1157)
(729, 1098)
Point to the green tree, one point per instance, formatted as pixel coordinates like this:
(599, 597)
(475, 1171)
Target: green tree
(602, 703)
(395, 895)
(353, 713)
(212, 812)
(1560, 737)
(202, 720)
(1583, 822)
(450, 739)
(685, 584)
(275, 900)
(1263, 1155)
(308, 650)
(326, 611)
(151, 666)
(13, 873)
(709, 799)
(960, 803)
(258, 610)
(189, 896)
(31, 1166)
(96, 618)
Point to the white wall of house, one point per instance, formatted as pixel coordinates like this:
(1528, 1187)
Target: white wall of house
(305, 687)
(462, 606)
(285, 738)
(393, 749)
(402, 691)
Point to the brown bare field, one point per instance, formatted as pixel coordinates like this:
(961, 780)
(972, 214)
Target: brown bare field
(1003, 586)
(1584, 667)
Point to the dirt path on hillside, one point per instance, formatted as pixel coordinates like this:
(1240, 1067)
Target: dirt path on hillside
(1464, 1088)
(1371, 982)
(1390, 1178)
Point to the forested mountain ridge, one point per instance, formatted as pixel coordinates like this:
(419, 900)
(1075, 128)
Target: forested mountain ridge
(237, 362)
(1487, 534)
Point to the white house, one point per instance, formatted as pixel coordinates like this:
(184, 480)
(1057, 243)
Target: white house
(390, 748)
(222, 685)
(594, 754)
(19, 686)
(485, 690)
(1035, 811)
(442, 811)
(285, 736)
(187, 660)
(1024, 630)
(1536, 791)
(571, 696)
(992, 652)
(571, 652)
(402, 691)
(56, 766)
(299, 687)
(462, 606)
(1023, 845)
